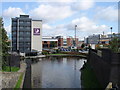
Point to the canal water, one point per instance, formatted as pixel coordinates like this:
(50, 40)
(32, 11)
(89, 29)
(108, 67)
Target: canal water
(56, 72)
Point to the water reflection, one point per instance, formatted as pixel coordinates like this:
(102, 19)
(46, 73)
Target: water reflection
(57, 72)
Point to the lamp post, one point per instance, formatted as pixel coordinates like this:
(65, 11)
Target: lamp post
(75, 34)
(111, 32)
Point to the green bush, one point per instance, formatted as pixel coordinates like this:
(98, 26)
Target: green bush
(7, 69)
(45, 52)
(114, 44)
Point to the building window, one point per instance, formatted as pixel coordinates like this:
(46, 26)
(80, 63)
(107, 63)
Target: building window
(45, 41)
(14, 33)
(21, 33)
(14, 23)
(21, 38)
(21, 27)
(28, 33)
(21, 22)
(14, 39)
(14, 28)
(45, 45)
(28, 22)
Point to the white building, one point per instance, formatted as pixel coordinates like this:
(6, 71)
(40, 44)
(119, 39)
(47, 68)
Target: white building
(26, 34)
(36, 40)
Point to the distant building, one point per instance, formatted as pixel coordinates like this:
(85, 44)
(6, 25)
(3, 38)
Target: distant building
(66, 42)
(114, 35)
(26, 34)
(100, 39)
(60, 41)
(93, 39)
(49, 42)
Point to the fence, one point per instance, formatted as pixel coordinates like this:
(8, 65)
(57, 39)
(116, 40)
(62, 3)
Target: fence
(13, 60)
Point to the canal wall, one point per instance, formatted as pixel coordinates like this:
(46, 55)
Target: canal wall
(106, 66)
(67, 55)
(27, 77)
(10, 79)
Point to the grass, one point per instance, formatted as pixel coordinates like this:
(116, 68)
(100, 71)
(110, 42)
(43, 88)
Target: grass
(88, 77)
(18, 84)
(7, 69)
(57, 54)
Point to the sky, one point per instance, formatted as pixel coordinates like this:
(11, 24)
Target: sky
(60, 17)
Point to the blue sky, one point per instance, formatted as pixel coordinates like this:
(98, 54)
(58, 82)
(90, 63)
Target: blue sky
(59, 18)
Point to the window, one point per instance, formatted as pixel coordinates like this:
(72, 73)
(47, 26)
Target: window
(14, 33)
(28, 33)
(14, 39)
(21, 27)
(21, 38)
(14, 48)
(21, 33)
(14, 28)
(45, 41)
(28, 22)
(28, 48)
(21, 49)
(14, 44)
(27, 27)
(14, 23)
(21, 22)
(21, 44)
(27, 39)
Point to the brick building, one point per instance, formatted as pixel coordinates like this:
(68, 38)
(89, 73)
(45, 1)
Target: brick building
(66, 42)
(49, 42)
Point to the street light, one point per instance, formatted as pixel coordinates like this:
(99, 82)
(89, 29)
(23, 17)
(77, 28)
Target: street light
(75, 34)
(111, 32)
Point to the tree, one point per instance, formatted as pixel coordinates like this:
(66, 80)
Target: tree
(83, 45)
(3, 43)
(114, 44)
(53, 44)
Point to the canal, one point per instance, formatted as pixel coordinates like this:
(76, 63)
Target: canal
(56, 72)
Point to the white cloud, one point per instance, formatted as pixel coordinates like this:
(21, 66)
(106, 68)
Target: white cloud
(47, 27)
(60, 1)
(26, 7)
(83, 4)
(86, 26)
(51, 13)
(12, 12)
(107, 13)
(54, 30)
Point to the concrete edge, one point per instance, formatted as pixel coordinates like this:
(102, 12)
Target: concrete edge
(69, 55)
(23, 71)
(21, 86)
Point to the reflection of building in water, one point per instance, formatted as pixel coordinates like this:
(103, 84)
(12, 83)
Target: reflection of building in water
(65, 60)
(36, 75)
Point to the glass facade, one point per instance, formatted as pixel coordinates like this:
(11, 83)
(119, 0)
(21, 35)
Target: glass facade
(21, 34)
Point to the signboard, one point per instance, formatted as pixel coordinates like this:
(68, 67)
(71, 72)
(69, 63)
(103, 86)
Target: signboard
(36, 31)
